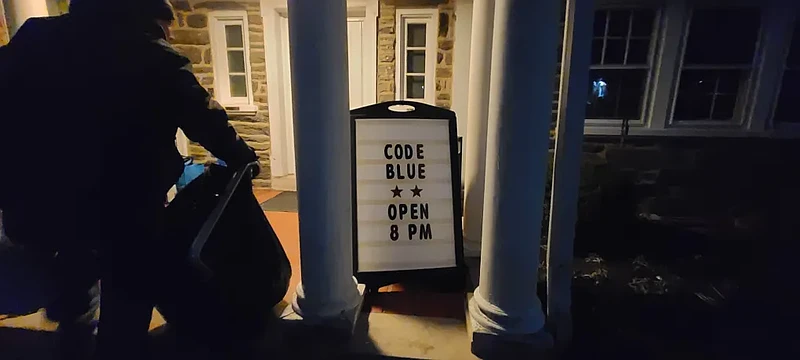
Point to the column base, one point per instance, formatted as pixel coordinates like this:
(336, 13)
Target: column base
(339, 326)
(560, 325)
(491, 340)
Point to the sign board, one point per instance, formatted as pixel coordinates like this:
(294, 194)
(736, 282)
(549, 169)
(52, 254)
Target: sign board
(407, 188)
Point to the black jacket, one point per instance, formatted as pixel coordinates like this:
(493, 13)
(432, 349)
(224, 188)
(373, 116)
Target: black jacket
(89, 109)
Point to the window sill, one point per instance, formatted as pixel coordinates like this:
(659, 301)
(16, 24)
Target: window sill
(246, 110)
(680, 132)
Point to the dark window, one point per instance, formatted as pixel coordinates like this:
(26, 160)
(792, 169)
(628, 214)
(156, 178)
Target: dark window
(708, 94)
(620, 63)
(722, 36)
(789, 97)
(717, 61)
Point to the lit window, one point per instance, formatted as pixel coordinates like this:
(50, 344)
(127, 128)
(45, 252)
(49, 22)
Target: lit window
(620, 68)
(416, 55)
(717, 63)
(230, 47)
(785, 110)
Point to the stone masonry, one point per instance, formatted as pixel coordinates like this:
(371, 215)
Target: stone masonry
(387, 42)
(3, 26)
(192, 38)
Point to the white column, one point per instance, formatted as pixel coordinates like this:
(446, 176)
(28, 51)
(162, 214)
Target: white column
(505, 306)
(21, 10)
(477, 115)
(575, 61)
(318, 48)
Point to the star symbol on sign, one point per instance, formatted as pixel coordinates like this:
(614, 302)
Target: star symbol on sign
(396, 192)
(417, 191)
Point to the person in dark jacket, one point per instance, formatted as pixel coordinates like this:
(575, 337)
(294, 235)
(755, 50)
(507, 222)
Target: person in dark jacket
(90, 103)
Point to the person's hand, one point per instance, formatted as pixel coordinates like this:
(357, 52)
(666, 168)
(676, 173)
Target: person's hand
(255, 169)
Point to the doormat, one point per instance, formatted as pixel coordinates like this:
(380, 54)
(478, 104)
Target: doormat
(284, 202)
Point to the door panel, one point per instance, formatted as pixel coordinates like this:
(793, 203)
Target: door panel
(355, 53)
(291, 167)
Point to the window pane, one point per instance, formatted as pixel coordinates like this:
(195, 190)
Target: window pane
(618, 23)
(236, 61)
(600, 23)
(696, 107)
(616, 94)
(724, 106)
(416, 61)
(415, 87)
(615, 52)
(729, 81)
(698, 81)
(708, 94)
(722, 36)
(233, 36)
(238, 86)
(416, 35)
(789, 98)
(597, 51)
(695, 94)
(638, 51)
(643, 22)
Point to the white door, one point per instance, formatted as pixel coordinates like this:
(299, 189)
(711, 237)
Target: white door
(355, 52)
(287, 96)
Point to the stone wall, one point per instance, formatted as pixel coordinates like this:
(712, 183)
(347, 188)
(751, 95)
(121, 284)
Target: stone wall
(192, 38)
(387, 42)
(739, 186)
(4, 37)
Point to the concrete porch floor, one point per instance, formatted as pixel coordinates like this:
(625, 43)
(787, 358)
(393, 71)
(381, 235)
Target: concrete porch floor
(395, 322)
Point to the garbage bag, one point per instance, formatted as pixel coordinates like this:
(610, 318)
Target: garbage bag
(239, 272)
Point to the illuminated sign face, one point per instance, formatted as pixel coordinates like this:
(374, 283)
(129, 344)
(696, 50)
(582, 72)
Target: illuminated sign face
(404, 195)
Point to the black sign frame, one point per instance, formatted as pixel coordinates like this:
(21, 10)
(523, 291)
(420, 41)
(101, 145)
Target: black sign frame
(453, 278)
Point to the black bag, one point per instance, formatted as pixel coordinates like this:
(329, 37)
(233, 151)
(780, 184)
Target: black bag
(230, 267)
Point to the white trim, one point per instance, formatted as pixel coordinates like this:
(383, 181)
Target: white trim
(271, 12)
(461, 64)
(778, 87)
(370, 50)
(665, 64)
(429, 17)
(769, 72)
(733, 132)
(219, 49)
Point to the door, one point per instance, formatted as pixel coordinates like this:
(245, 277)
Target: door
(287, 96)
(355, 53)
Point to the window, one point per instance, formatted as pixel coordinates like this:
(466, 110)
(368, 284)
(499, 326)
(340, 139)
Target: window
(230, 48)
(717, 63)
(790, 85)
(621, 48)
(416, 55)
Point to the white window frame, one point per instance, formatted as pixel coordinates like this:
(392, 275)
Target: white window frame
(219, 49)
(651, 60)
(429, 17)
(745, 91)
(785, 127)
(755, 118)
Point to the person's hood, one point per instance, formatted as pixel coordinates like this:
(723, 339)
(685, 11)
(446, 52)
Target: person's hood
(123, 15)
(130, 9)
